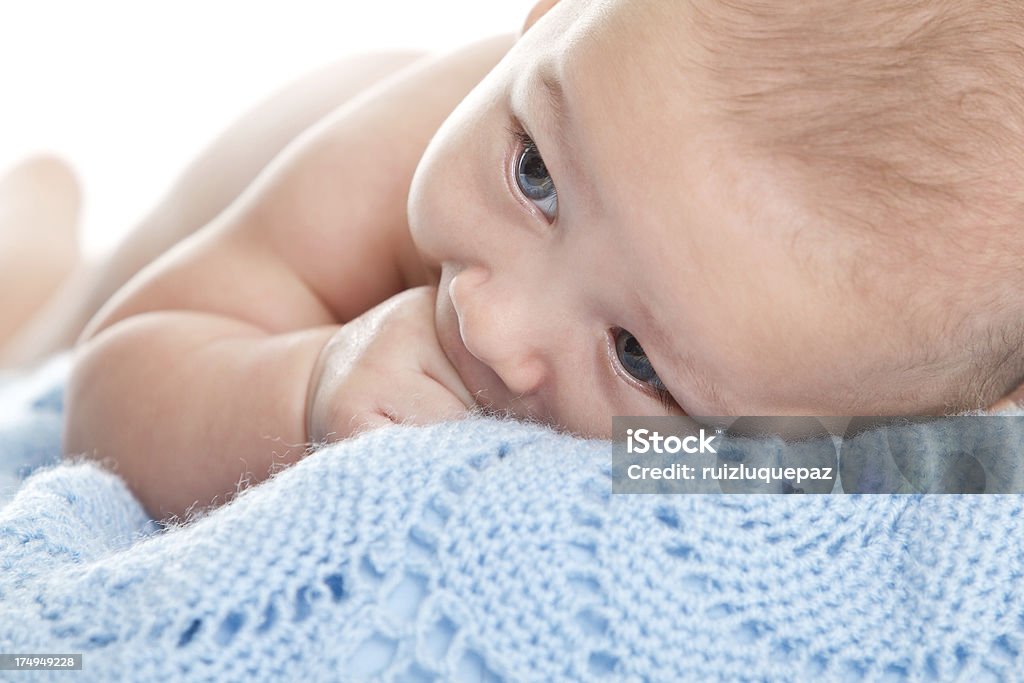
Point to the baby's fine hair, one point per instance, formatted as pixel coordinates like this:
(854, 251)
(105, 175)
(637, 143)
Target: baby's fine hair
(903, 120)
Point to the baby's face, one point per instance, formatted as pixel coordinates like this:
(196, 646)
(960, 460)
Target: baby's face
(603, 249)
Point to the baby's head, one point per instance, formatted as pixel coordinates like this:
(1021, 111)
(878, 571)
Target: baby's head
(763, 207)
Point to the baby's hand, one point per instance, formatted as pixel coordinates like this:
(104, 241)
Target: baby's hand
(382, 368)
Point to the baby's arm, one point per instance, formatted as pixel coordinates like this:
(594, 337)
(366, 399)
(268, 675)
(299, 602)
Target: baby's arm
(196, 373)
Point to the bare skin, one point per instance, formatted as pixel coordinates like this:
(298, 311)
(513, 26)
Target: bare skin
(39, 207)
(211, 183)
(319, 239)
(303, 312)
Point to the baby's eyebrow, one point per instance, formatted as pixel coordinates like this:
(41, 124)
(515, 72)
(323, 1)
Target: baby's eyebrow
(555, 96)
(548, 107)
(553, 108)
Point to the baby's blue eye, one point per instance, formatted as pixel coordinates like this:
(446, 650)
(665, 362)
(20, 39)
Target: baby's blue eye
(535, 182)
(634, 360)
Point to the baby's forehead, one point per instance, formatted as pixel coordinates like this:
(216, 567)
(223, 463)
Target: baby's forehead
(625, 36)
(634, 109)
(608, 54)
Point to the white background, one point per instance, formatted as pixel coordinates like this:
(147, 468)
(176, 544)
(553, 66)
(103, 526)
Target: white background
(129, 90)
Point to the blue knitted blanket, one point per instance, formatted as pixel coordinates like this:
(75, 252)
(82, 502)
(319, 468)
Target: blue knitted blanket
(487, 551)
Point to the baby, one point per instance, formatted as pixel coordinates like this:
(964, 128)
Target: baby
(646, 207)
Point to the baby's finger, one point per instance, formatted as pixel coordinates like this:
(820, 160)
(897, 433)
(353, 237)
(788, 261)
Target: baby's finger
(365, 422)
(428, 353)
(419, 399)
(440, 369)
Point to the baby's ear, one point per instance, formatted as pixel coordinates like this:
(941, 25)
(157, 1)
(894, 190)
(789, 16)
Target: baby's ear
(539, 10)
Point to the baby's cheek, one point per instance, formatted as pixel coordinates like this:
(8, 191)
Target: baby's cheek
(424, 214)
(439, 197)
(588, 413)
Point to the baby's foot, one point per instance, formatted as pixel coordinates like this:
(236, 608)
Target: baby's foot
(39, 206)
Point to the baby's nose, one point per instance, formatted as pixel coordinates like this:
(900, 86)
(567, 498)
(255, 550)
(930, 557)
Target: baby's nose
(499, 330)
